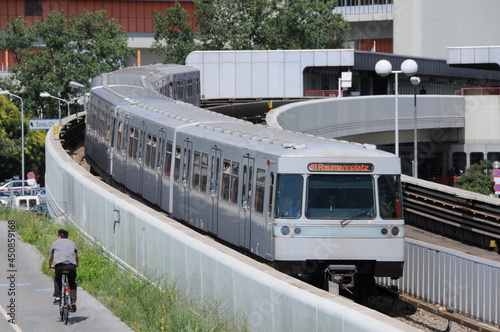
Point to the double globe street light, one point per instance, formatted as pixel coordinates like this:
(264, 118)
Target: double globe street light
(383, 68)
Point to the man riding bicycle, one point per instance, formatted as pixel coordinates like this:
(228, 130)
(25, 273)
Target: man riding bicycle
(64, 255)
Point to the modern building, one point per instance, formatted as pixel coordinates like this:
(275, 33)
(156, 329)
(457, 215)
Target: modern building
(136, 18)
(423, 28)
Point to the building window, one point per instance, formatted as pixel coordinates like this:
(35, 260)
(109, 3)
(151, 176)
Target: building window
(33, 7)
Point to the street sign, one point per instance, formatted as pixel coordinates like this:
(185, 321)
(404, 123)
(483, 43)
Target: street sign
(42, 124)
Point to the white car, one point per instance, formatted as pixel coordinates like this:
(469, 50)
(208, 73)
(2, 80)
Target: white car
(16, 186)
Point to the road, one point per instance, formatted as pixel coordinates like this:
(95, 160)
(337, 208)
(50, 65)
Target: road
(26, 294)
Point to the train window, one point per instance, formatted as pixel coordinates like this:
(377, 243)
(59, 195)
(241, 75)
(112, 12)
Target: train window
(196, 170)
(340, 197)
(180, 91)
(119, 136)
(260, 184)
(190, 88)
(150, 151)
(132, 142)
(289, 196)
(235, 171)
(204, 172)
(200, 170)
(226, 177)
(108, 128)
(271, 191)
(389, 192)
(170, 90)
(177, 163)
(168, 159)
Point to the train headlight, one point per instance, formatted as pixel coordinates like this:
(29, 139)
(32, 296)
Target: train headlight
(384, 231)
(297, 230)
(285, 230)
(395, 231)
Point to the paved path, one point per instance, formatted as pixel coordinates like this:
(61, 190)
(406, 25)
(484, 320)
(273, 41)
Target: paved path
(28, 292)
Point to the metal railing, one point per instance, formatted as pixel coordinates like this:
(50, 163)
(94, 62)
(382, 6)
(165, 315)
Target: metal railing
(354, 7)
(463, 283)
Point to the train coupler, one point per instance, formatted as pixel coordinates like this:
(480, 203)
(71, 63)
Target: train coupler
(339, 277)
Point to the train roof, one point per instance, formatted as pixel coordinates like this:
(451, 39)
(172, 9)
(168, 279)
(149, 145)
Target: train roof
(130, 95)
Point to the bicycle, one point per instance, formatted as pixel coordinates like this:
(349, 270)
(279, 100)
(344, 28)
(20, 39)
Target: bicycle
(65, 305)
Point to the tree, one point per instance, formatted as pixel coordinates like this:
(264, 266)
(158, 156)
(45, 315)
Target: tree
(11, 143)
(477, 178)
(248, 25)
(76, 49)
(174, 36)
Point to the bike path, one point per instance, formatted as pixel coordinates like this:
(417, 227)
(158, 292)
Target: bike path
(26, 294)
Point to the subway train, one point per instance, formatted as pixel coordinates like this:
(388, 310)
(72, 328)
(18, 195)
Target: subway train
(316, 208)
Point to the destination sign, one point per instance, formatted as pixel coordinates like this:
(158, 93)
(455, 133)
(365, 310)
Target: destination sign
(42, 124)
(340, 167)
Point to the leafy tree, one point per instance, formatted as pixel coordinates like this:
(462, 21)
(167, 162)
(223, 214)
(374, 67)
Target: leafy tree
(248, 25)
(76, 49)
(11, 143)
(174, 36)
(478, 178)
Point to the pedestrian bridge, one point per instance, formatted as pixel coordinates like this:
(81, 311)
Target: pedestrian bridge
(452, 130)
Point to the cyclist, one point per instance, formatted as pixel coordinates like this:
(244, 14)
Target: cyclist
(64, 255)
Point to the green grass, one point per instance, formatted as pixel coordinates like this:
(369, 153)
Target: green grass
(144, 305)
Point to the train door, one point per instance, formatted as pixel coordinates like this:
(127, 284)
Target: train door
(186, 172)
(160, 159)
(215, 168)
(246, 194)
(140, 160)
(121, 151)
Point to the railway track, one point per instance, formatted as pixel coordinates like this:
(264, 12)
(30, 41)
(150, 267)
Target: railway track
(457, 214)
(423, 315)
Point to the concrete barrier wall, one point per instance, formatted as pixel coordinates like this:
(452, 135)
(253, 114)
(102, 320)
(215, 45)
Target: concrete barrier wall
(148, 242)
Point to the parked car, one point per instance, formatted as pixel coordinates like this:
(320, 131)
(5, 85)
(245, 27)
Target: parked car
(41, 209)
(16, 186)
(42, 195)
(5, 198)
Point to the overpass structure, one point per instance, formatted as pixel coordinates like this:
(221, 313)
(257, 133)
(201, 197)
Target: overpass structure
(456, 120)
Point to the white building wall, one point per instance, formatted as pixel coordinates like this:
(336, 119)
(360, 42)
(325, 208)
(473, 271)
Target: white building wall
(261, 74)
(427, 27)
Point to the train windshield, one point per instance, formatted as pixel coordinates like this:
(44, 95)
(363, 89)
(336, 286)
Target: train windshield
(340, 197)
(337, 197)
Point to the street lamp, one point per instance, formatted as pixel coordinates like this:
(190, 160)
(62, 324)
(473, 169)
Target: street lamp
(383, 68)
(415, 81)
(5, 92)
(77, 85)
(48, 95)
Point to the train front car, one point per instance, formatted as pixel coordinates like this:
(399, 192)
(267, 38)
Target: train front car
(338, 219)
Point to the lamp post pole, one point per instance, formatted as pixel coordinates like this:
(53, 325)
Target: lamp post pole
(5, 92)
(48, 95)
(383, 68)
(77, 85)
(415, 81)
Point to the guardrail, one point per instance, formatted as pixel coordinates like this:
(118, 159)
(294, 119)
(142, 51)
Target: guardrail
(463, 283)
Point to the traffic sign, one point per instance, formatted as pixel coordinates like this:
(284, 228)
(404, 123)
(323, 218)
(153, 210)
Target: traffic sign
(42, 124)
(31, 175)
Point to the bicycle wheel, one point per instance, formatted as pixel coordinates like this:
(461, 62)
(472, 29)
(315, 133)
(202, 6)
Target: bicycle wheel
(66, 313)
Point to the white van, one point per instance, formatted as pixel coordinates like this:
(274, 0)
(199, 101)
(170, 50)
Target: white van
(25, 202)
